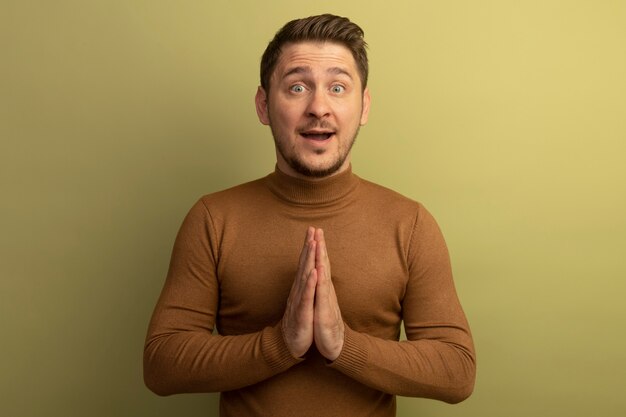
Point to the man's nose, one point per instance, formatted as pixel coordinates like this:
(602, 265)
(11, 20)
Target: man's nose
(318, 105)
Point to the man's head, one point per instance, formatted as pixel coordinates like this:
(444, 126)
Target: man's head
(322, 28)
(313, 94)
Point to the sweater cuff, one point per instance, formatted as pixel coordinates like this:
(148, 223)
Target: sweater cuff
(353, 356)
(275, 351)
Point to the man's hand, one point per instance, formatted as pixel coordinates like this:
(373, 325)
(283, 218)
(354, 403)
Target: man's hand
(312, 312)
(297, 322)
(328, 325)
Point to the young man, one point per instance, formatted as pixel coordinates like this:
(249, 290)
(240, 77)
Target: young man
(295, 337)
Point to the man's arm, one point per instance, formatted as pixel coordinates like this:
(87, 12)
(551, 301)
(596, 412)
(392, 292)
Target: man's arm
(182, 354)
(437, 361)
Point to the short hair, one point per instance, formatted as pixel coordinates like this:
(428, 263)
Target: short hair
(321, 28)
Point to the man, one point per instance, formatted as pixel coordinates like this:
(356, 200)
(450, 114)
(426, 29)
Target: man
(310, 329)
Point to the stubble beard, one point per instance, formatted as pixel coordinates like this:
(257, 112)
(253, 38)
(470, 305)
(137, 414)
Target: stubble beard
(298, 165)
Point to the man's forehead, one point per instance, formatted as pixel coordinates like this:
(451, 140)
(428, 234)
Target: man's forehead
(304, 56)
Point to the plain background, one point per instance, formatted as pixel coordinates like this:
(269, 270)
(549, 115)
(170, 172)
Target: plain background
(507, 119)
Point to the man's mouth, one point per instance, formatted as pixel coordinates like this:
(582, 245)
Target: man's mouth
(318, 135)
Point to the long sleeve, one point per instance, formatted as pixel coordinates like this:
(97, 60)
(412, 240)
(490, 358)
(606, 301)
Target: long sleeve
(216, 324)
(182, 353)
(437, 361)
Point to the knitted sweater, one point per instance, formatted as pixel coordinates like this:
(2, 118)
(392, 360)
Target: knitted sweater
(216, 326)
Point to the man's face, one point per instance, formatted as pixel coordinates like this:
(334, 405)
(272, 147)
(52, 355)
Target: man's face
(314, 108)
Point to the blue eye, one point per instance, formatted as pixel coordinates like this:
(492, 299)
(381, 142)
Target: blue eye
(337, 89)
(298, 88)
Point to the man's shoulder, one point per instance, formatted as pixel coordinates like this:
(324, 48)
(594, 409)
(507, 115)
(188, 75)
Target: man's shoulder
(397, 208)
(387, 196)
(237, 194)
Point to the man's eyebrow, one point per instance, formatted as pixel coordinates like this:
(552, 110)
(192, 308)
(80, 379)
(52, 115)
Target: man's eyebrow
(297, 70)
(338, 71)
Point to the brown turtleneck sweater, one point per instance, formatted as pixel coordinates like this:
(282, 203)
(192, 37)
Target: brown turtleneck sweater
(232, 267)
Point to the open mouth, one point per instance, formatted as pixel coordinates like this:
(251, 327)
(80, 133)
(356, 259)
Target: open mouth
(316, 135)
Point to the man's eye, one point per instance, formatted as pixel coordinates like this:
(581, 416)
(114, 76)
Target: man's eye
(337, 89)
(297, 88)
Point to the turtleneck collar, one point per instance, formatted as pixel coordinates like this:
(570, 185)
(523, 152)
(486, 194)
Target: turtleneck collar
(320, 192)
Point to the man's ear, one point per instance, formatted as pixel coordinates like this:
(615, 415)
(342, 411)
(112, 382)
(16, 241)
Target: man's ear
(366, 106)
(260, 101)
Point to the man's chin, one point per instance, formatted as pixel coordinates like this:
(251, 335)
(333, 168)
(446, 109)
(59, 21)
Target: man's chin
(316, 171)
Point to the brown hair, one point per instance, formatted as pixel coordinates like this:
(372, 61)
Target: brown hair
(321, 28)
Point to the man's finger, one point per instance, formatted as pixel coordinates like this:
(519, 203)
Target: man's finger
(306, 263)
(307, 298)
(308, 237)
(329, 328)
(323, 286)
(321, 253)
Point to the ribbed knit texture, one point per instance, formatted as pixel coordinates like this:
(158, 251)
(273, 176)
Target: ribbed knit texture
(232, 267)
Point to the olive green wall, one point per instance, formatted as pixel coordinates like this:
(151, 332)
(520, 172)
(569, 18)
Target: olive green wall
(506, 118)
